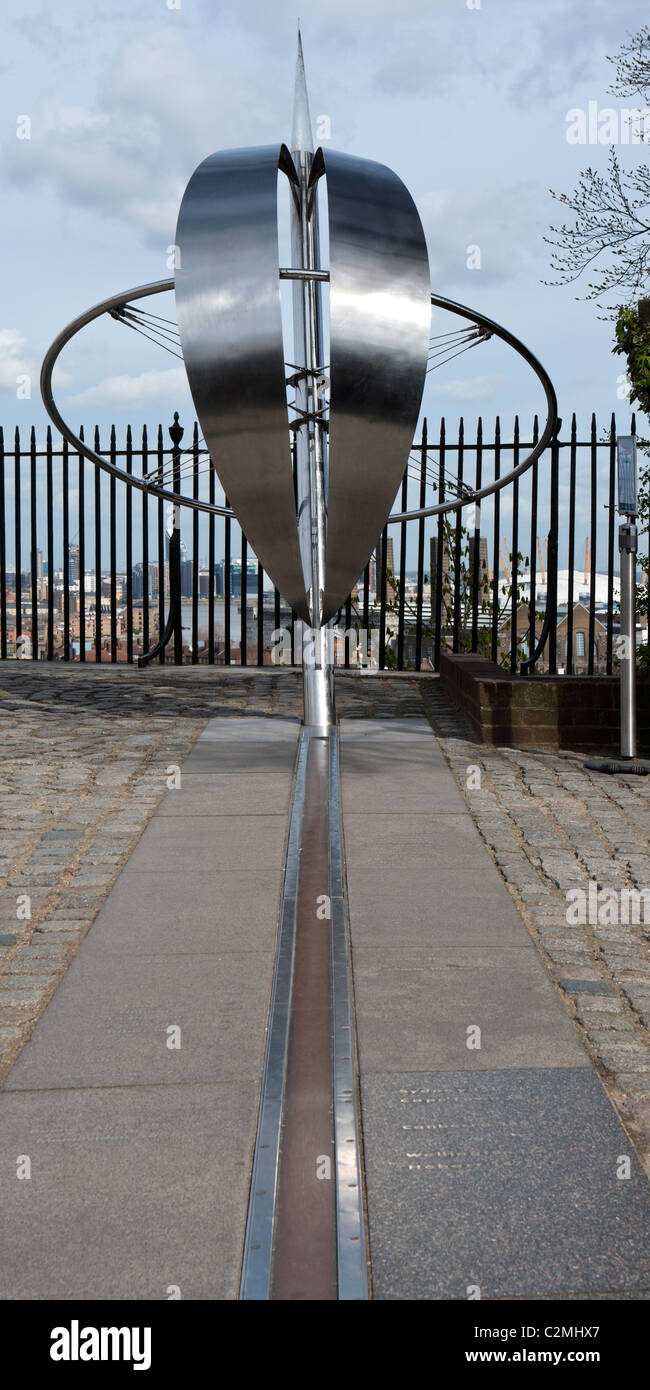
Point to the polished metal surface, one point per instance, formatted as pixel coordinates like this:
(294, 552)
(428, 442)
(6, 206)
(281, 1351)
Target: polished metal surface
(229, 317)
(310, 406)
(264, 1212)
(318, 697)
(258, 1243)
(351, 1234)
(380, 314)
(118, 301)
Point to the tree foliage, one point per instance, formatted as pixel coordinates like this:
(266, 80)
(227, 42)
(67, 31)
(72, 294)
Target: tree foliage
(633, 340)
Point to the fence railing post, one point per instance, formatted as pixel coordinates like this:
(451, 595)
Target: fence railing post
(173, 626)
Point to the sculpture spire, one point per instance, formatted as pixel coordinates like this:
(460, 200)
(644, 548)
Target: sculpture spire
(301, 135)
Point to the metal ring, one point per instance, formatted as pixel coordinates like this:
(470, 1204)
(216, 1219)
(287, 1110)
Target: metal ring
(549, 429)
(118, 301)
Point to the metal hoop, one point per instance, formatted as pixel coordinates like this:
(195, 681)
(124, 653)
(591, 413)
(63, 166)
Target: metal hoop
(550, 428)
(118, 301)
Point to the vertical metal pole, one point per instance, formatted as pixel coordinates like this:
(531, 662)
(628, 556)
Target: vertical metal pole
(553, 553)
(98, 554)
(33, 541)
(477, 577)
(3, 553)
(420, 589)
(50, 547)
(610, 544)
(128, 523)
(195, 549)
(568, 665)
(514, 563)
(437, 642)
(175, 605)
(161, 551)
(211, 594)
(82, 554)
(311, 460)
(627, 545)
(145, 545)
(594, 524)
(496, 522)
(113, 548)
(66, 552)
(458, 546)
(18, 542)
(532, 567)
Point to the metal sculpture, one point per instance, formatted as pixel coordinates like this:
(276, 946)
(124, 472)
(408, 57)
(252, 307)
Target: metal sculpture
(313, 528)
(353, 417)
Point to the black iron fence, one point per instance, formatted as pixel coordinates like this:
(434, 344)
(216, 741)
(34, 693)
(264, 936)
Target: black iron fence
(85, 560)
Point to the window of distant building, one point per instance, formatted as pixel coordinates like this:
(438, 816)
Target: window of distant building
(580, 643)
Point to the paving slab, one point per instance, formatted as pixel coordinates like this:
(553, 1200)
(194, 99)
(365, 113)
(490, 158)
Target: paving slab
(415, 1006)
(228, 794)
(424, 842)
(143, 1149)
(255, 843)
(491, 1149)
(132, 1190)
(226, 910)
(240, 755)
(505, 1180)
(404, 779)
(256, 729)
(431, 908)
(108, 1023)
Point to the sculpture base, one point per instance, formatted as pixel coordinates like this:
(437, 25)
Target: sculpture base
(318, 697)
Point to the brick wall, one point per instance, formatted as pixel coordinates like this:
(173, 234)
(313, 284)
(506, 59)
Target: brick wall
(574, 712)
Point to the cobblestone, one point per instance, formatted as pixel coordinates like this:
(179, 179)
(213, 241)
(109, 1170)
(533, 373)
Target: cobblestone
(85, 753)
(553, 826)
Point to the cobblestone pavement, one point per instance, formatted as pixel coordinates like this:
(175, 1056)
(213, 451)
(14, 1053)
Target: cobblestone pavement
(85, 759)
(553, 829)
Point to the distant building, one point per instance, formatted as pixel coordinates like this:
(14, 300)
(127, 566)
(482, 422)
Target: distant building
(379, 569)
(236, 577)
(483, 565)
(433, 557)
(186, 577)
(73, 564)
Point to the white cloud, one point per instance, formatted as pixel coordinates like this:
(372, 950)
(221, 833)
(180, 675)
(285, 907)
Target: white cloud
(14, 360)
(501, 223)
(475, 388)
(134, 390)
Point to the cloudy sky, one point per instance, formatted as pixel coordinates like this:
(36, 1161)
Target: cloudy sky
(466, 99)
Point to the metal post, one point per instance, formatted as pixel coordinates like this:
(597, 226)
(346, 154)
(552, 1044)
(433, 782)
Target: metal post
(309, 384)
(627, 546)
(173, 626)
(626, 644)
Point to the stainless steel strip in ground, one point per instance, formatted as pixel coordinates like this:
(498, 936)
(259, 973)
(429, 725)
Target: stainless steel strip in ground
(351, 1232)
(352, 1265)
(258, 1243)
